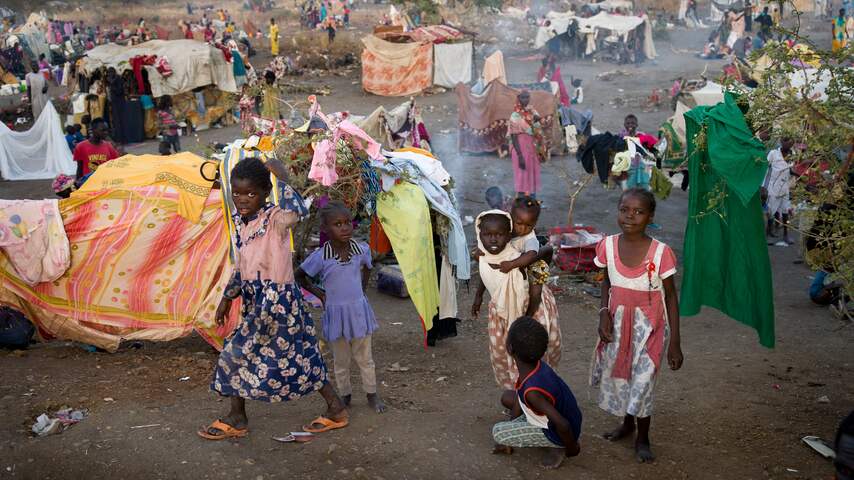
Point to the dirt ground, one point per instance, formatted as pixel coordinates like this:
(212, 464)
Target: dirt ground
(735, 409)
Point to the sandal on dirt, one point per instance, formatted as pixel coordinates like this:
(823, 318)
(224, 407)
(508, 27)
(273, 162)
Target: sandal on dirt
(226, 431)
(327, 425)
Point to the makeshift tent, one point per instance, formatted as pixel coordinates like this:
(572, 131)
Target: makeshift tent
(726, 255)
(483, 118)
(194, 64)
(452, 64)
(402, 126)
(139, 269)
(396, 69)
(603, 21)
(37, 154)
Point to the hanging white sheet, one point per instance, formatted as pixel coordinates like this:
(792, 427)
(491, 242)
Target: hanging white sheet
(452, 64)
(39, 153)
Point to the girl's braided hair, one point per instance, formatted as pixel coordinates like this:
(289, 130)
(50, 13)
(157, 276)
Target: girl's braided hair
(335, 206)
(528, 204)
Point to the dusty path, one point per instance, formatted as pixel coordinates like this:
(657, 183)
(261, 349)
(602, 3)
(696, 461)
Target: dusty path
(735, 410)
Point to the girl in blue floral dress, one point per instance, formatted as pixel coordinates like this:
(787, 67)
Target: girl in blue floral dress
(273, 354)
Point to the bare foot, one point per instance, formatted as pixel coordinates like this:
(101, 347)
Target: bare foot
(620, 433)
(376, 403)
(553, 458)
(346, 400)
(502, 450)
(643, 452)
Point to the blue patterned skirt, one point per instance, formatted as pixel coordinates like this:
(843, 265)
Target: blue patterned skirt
(273, 354)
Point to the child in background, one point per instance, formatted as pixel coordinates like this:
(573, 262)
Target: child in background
(638, 299)
(168, 124)
(510, 295)
(70, 138)
(273, 354)
(544, 410)
(344, 266)
(577, 92)
(78, 133)
(776, 188)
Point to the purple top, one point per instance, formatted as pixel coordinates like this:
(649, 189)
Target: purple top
(347, 312)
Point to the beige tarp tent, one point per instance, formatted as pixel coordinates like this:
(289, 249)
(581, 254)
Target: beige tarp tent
(618, 24)
(194, 64)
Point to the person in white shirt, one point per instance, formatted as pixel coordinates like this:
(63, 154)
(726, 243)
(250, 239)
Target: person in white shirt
(776, 188)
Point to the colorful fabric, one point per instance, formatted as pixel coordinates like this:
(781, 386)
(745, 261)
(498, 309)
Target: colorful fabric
(139, 271)
(346, 313)
(625, 370)
(405, 218)
(726, 256)
(435, 34)
(483, 119)
(323, 168)
(545, 381)
(273, 355)
(183, 171)
(396, 69)
(409, 165)
(33, 238)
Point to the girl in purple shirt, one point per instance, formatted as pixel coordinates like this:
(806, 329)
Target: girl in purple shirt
(343, 265)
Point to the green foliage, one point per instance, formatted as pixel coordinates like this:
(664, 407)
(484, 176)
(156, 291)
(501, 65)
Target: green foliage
(823, 130)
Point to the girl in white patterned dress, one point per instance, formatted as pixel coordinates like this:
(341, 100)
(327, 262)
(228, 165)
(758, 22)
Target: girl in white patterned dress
(638, 298)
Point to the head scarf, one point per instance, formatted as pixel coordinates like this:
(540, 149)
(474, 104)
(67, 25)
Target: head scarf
(507, 291)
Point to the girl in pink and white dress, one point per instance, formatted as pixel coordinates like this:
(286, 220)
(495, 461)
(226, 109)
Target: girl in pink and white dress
(639, 316)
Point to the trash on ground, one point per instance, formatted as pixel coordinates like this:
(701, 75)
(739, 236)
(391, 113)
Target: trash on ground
(819, 446)
(395, 367)
(136, 427)
(57, 422)
(298, 437)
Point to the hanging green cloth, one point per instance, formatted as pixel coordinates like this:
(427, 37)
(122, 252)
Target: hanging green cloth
(659, 184)
(726, 255)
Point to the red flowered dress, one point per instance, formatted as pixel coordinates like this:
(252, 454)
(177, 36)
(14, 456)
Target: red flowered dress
(626, 369)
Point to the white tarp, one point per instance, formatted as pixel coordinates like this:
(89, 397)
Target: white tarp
(40, 153)
(612, 5)
(194, 64)
(818, 82)
(709, 95)
(618, 24)
(452, 64)
(559, 23)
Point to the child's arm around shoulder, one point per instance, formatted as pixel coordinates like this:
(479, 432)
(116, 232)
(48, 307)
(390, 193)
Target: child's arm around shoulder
(539, 403)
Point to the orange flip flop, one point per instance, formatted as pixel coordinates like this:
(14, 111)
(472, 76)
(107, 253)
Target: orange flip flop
(327, 425)
(227, 431)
